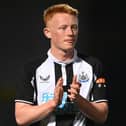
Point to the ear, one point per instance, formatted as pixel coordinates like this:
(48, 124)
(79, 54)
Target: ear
(47, 32)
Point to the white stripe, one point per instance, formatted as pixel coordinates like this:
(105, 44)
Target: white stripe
(101, 100)
(23, 101)
(63, 68)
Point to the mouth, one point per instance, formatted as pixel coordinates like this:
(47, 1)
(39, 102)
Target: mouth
(69, 40)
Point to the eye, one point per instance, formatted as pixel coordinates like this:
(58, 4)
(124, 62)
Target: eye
(63, 27)
(74, 27)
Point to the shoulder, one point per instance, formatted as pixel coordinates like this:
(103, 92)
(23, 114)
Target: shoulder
(32, 64)
(96, 64)
(93, 61)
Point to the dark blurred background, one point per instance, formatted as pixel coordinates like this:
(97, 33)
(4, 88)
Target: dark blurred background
(102, 34)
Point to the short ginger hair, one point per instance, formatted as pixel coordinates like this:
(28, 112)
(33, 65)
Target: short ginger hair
(58, 8)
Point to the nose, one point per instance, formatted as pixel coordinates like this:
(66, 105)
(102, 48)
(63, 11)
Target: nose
(70, 31)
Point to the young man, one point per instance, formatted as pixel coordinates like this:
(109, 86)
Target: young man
(63, 87)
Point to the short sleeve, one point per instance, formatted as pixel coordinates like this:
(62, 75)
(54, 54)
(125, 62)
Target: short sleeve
(99, 90)
(24, 89)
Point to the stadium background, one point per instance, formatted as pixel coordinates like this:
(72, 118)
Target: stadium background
(102, 34)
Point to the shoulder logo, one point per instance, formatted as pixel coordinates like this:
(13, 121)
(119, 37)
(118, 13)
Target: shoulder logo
(100, 80)
(83, 77)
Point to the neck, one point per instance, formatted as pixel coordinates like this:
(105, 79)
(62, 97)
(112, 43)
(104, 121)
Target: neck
(62, 55)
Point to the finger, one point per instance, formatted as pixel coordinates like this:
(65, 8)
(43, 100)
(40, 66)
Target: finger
(60, 82)
(59, 90)
(58, 94)
(61, 95)
(71, 97)
(73, 91)
(74, 79)
(75, 86)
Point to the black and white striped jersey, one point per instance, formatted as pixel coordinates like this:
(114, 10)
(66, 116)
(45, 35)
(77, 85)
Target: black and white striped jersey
(39, 81)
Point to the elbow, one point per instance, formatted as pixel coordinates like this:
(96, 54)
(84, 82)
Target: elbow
(102, 117)
(99, 120)
(21, 117)
(103, 113)
(20, 121)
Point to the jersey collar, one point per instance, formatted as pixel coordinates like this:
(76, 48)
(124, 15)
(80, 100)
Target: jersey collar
(54, 59)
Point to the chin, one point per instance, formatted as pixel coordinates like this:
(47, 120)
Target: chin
(68, 49)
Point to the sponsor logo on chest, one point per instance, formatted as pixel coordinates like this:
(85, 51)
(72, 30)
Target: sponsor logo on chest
(44, 79)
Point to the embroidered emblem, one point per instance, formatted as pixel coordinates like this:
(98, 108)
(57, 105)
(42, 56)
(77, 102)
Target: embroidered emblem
(100, 80)
(83, 77)
(44, 79)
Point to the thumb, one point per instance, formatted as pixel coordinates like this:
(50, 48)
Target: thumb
(74, 79)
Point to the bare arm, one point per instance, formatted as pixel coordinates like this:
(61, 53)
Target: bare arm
(95, 111)
(27, 114)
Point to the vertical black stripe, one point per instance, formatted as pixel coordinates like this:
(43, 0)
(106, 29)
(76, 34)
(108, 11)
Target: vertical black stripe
(65, 118)
(69, 72)
(58, 72)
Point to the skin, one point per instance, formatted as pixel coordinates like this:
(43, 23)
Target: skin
(27, 114)
(62, 30)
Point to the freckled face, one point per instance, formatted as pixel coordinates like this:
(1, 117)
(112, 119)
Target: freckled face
(63, 31)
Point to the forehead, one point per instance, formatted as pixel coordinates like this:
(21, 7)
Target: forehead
(63, 18)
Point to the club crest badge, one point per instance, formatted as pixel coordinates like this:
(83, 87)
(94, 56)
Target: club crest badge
(83, 77)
